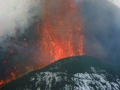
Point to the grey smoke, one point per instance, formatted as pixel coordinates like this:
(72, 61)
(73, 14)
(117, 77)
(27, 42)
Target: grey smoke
(101, 20)
(18, 15)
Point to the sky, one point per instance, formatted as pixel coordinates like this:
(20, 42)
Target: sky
(115, 2)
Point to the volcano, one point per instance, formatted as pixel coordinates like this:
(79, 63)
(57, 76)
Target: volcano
(72, 73)
(67, 28)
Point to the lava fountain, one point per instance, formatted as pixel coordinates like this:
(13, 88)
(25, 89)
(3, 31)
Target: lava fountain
(61, 31)
(60, 36)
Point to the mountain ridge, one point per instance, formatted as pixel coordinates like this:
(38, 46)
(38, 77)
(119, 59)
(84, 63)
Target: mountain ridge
(68, 73)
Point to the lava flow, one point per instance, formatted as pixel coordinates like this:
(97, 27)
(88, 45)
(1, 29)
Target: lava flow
(61, 31)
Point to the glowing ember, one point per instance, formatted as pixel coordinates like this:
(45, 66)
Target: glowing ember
(13, 75)
(1, 82)
(61, 35)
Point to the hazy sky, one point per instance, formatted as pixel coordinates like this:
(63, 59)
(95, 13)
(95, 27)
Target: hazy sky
(116, 2)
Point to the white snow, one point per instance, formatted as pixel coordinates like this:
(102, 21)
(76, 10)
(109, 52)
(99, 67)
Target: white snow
(77, 81)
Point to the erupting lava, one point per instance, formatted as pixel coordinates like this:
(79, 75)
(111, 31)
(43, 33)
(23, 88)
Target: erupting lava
(60, 36)
(61, 31)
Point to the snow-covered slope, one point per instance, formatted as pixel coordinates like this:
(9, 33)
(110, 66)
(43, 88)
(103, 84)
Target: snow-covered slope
(78, 81)
(74, 73)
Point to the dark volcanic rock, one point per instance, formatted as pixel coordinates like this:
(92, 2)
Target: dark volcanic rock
(73, 73)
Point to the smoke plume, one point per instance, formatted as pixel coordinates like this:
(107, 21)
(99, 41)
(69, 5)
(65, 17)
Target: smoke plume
(17, 16)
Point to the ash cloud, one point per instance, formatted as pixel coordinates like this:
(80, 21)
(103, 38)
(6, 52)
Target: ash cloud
(16, 16)
(101, 21)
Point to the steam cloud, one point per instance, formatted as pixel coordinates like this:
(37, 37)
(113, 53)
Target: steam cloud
(17, 15)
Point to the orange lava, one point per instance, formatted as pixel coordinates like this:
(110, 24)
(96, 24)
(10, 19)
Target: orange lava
(60, 36)
(13, 75)
(61, 31)
(1, 82)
